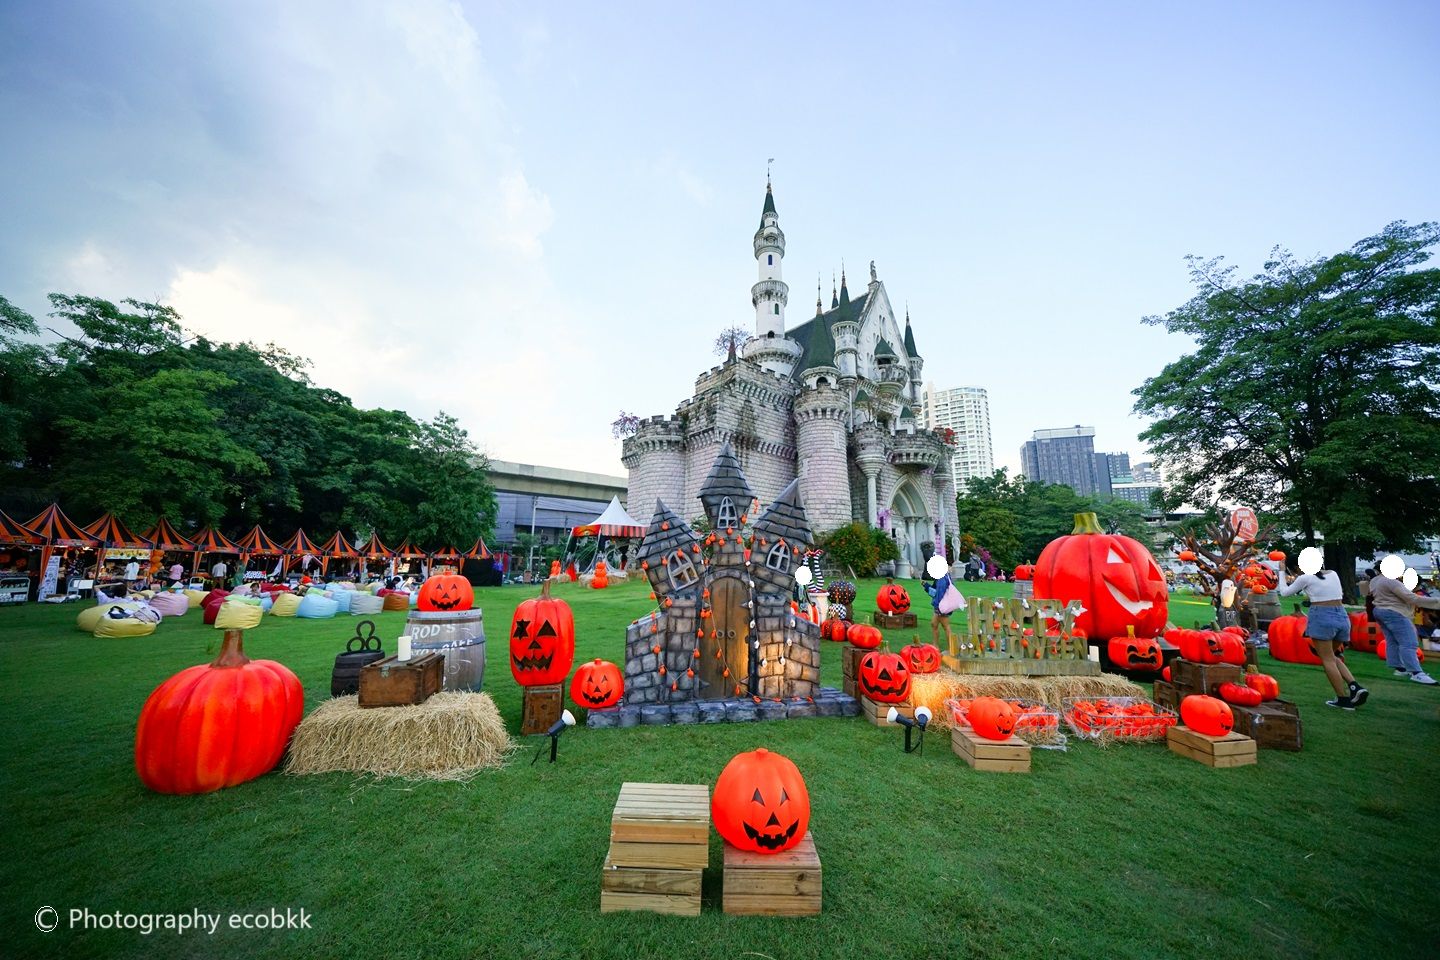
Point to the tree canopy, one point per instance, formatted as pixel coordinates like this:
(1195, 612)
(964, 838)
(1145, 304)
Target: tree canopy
(137, 416)
(1311, 393)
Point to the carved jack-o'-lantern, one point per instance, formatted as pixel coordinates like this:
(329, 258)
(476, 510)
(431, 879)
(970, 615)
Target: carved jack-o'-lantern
(542, 640)
(1200, 646)
(1208, 715)
(864, 636)
(1114, 577)
(1264, 684)
(1135, 653)
(1365, 636)
(760, 802)
(992, 718)
(597, 684)
(884, 677)
(445, 592)
(921, 657)
(1288, 642)
(892, 598)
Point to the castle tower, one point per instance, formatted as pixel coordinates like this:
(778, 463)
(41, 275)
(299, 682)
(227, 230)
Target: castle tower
(820, 424)
(917, 365)
(770, 293)
(655, 459)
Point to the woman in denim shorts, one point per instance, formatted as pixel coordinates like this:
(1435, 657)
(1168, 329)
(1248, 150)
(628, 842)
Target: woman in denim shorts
(1327, 626)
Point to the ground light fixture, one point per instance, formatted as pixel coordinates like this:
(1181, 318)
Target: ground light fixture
(921, 720)
(567, 719)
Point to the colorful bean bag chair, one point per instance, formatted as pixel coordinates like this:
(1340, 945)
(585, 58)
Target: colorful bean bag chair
(285, 605)
(214, 596)
(267, 601)
(90, 616)
(234, 615)
(170, 604)
(316, 606)
(396, 601)
(197, 597)
(342, 599)
(276, 588)
(364, 605)
(211, 610)
(123, 627)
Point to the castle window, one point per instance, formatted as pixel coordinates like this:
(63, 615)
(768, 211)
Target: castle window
(682, 572)
(777, 309)
(770, 259)
(728, 516)
(779, 558)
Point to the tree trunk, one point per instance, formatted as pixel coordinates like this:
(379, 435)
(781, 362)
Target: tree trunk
(1340, 557)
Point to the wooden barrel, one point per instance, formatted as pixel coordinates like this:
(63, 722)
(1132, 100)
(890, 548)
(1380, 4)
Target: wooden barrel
(460, 636)
(345, 677)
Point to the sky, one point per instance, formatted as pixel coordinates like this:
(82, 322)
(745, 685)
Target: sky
(534, 215)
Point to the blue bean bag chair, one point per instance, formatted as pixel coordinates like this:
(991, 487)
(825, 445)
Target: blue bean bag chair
(316, 606)
(266, 602)
(342, 599)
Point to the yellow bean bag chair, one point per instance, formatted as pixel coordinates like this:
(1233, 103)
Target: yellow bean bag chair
(90, 616)
(127, 627)
(238, 616)
(197, 597)
(285, 605)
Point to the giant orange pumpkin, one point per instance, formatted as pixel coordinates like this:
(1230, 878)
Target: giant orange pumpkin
(760, 802)
(921, 657)
(884, 677)
(542, 640)
(597, 684)
(864, 636)
(1114, 577)
(1289, 643)
(445, 592)
(217, 724)
(992, 718)
(892, 598)
(1364, 635)
(1208, 715)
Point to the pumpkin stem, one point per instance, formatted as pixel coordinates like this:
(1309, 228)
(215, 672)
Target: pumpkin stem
(545, 590)
(1086, 523)
(232, 653)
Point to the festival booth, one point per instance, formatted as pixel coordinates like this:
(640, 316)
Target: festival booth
(20, 548)
(167, 544)
(257, 544)
(372, 553)
(478, 565)
(118, 546)
(63, 533)
(299, 547)
(595, 542)
(211, 541)
(337, 548)
(408, 553)
(446, 559)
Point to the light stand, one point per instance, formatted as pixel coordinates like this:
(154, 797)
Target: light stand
(567, 719)
(921, 720)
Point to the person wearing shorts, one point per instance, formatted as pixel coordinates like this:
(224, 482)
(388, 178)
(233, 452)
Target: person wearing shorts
(1328, 627)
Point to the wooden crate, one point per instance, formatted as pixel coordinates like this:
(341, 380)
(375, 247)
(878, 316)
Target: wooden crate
(849, 668)
(1007, 756)
(784, 884)
(1193, 678)
(1231, 750)
(1164, 694)
(659, 847)
(541, 707)
(397, 683)
(654, 889)
(877, 712)
(1274, 725)
(894, 621)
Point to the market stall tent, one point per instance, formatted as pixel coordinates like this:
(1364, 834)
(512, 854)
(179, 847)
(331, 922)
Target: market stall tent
(336, 548)
(211, 540)
(13, 533)
(165, 537)
(298, 546)
(257, 544)
(58, 531)
(114, 535)
(614, 523)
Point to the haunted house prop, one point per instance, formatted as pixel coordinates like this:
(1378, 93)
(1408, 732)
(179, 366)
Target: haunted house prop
(726, 625)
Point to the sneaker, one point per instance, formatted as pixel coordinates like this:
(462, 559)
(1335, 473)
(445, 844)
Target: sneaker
(1402, 673)
(1344, 703)
(1358, 694)
(1425, 678)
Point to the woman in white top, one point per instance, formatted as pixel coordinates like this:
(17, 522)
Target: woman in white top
(1327, 626)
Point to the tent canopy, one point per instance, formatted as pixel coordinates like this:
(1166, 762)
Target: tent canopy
(256, 543)
(448, 552)
(59, 530)
(211, 540)
(163, 536)
(376, 549)
(408, 550)
(613, 522)
(338, 546)
(114, 535)
(14, 532)
(300, 543)
(479, 551)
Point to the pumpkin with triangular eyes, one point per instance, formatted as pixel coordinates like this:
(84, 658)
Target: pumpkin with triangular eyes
(1208, 715)
(884, 677)
(921, 657)
(892, 598)
(597, 685)
(542, 640)
(760, 802)
(445, 592)
(992, 718)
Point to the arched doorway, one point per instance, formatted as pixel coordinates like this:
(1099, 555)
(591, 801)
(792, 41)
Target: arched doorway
(911, 523)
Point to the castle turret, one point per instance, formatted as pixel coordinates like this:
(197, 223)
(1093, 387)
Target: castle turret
(655, 458)
(820, 425)
(917, 365)
(770, 293)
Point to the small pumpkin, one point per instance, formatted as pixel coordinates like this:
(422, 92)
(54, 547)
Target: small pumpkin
(1242, 695)
(884, 677)
(542, 640)
(1026, 571)
(842, 592)
(992, 718)
(921, 657)
(1201, 646)
(1267, 686)
(218, 724)
(1208, 715)
(864, 636)
(597, 685)
(1135, 653)
(892, 598)
(834, 630)
(1186, 556)
(1277, 555)
(760, 802)
(445, 592)
(1288, 642)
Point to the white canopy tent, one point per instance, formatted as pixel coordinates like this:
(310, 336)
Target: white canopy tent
(612, 524)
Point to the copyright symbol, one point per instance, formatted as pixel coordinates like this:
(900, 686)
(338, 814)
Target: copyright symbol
(47, 919)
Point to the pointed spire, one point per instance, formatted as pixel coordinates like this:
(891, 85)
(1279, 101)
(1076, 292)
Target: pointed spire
(726, 479)
(844, 293)
(769, 201)
(834, 300)
(786, 518)
(819, 309)
(910, 350)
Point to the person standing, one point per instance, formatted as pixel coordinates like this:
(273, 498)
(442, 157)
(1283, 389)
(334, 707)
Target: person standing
(1395, 608)
(940, 570)
(219, 570)
(132, 573)
(1327, 626)
(177, 573)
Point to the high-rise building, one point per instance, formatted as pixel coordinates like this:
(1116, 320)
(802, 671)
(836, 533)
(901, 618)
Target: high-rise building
(1145, 472)
(965, 410)
(1065, 455)
(1118, 463)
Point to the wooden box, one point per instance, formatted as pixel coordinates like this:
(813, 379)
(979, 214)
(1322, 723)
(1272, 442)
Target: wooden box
(659, 847)
(395, 683)
(877, 712)
(894, 621)
(1191, 678)
(850, 668)
(1007, 756)
(1165, 695)
(784, 884)
(1274, 725)
(1231, 750)
(541, 707)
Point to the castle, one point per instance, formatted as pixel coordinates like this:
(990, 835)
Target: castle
(832, 403)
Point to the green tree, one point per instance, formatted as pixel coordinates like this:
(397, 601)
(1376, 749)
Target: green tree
(1311, 393)
(21, 369)
(457, 502)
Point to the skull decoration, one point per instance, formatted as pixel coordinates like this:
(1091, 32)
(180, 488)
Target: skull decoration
(760, 802)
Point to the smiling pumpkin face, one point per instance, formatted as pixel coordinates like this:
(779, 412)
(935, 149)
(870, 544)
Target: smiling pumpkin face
(542, 640)
(445, 592)
(1135, 653)
(760, 802)
(1114, 577)
(884, 677)
(597, 685)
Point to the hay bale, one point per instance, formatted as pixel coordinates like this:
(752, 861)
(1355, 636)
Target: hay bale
(451, 736)
(933, 689)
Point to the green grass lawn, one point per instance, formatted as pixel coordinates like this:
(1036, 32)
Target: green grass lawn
(1098, 853)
